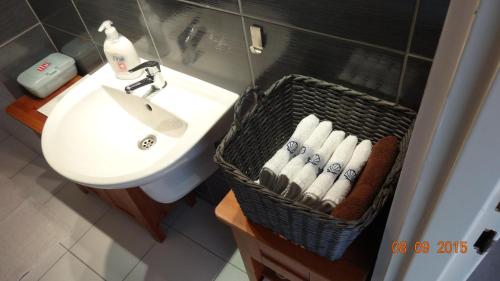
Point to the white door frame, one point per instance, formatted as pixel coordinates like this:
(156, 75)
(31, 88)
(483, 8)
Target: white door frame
(464, 68)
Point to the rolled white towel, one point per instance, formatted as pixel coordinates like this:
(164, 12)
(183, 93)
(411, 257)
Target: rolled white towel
(306, 176)
(333, 168)
(343, 185)
(273, 166)
(311, 146)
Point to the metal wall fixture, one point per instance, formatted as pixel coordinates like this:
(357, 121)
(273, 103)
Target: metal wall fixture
(257, 46)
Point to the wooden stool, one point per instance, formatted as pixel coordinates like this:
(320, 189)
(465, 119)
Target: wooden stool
(266, 254)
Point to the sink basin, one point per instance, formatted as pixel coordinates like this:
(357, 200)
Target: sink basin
(99, 136)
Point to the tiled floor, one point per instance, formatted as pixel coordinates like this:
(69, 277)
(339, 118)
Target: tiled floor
(50, 230)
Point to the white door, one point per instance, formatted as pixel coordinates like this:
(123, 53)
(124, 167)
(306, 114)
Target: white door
(466, 213)
(449, 186)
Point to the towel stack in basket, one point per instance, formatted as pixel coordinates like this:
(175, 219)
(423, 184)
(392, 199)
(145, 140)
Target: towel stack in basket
(329, 171)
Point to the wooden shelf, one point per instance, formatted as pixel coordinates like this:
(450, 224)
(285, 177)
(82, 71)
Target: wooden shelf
(25, 108)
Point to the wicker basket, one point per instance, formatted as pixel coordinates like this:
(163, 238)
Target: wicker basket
(256, 136)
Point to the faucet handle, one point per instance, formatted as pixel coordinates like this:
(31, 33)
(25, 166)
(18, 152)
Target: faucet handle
(147, 64)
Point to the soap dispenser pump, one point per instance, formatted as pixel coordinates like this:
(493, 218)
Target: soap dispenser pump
(120, 52)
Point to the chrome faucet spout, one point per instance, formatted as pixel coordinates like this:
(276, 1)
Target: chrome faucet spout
(153, 77)
(146, 81)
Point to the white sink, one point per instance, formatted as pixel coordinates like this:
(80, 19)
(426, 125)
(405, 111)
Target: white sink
(99, 136)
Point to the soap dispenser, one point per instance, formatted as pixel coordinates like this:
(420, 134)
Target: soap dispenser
(120, 52)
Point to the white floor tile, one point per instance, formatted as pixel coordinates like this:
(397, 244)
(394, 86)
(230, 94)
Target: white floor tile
(73, 212)
(44, 263)
(200, 224)
(173, 215)
(26, 236)
(14, 156)
(9, 199)
(114, 245)
(177, 259)
(15, 128)
(69, 268)
(3, 134)
(231, 273)
(237, 261)
(38, 181)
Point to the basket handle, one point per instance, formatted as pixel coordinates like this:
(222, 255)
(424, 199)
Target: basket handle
(246, 104)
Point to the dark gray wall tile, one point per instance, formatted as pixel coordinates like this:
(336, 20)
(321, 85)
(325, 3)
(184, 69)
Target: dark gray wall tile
(230, 5)
(216, 187)
(201, 42)
(202, 192)
(382, 22)
(289, 51)
(126, 17)
(210, 45)
(430, 20)
(18, 55)
(60, 14)
(414, 82)
(80, 48)
(15, 17)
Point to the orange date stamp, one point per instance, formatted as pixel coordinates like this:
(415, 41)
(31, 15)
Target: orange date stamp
(424, 247)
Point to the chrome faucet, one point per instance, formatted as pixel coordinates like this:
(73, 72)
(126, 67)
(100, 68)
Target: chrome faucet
(153, 77)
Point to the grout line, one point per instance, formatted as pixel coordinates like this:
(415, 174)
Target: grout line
(401, 79)
(149, 31)
(219, 270)
(56, 190)
(90, 228)
(239, 269)
(174, 219)
(87, 29)
(84, 263)
(247, 45)
(19, 35)
(78, 36)
(173, 228)
(407, 52)
(41, 24)
(252, 74)
(68, 250)
(420, 57)
(65, 31)
(141, 259)
(366, 44)
(209, 7)
(93, 224)
(27, 164)
(54, 264)
(294, 27)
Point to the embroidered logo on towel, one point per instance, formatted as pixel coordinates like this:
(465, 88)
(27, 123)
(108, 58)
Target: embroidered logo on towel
(303, 150)
(334, 168)
(291, 146)
(350, 175)
(314, 159)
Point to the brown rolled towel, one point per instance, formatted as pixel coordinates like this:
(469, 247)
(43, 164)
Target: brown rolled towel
(372, 177)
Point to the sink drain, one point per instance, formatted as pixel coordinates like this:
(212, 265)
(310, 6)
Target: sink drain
(147, 142)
